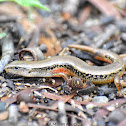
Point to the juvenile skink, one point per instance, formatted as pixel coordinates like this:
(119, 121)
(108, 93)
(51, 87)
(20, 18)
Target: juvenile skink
(61, 66)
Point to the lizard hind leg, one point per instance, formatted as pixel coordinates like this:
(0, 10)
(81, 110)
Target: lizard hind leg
(117, 82)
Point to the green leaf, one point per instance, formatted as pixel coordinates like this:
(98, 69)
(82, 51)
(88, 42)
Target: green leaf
(30, 3)
(3, 34)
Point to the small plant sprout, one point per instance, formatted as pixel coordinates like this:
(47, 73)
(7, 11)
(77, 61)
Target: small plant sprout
(29, 3)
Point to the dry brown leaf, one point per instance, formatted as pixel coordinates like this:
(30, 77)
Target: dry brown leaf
(106, 8)
(84, 14)
(51, 42)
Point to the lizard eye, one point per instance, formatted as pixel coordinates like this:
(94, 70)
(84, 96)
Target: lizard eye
(16, 68)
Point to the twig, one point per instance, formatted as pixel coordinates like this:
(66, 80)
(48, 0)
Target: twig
(7, 51)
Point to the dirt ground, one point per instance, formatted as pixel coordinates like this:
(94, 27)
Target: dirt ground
(33, 35)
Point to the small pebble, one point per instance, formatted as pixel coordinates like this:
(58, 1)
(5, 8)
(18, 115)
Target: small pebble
(110, 108)
(4, 85)
(111, 124)
(122, 123)
(22, 122)
(52, 123)
(116, 116)
(121, 25)
(90, 106)
(100, 99)
(101, 123)
(121, 4)
(52, 115)
(79, 99)
(90, 112)
(26, 122)
(123, 37)
(112, 96)
(62, 113)
(86, 98)
(4, 115)
(23, 107)
(13, 114)
(43, 48)
(2, 106)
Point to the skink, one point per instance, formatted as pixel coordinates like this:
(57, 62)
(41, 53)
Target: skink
(61, 66)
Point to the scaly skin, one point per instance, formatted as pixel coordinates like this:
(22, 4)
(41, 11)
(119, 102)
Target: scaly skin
(61, 66)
